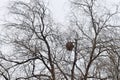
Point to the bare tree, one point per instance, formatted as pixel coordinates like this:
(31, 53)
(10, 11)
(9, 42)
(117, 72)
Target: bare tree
(31, 36)
(99, 38)
(39, 45)
(39, 50)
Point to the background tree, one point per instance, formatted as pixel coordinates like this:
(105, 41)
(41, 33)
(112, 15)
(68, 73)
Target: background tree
(96, 24)
(38, 44)
(32, 38)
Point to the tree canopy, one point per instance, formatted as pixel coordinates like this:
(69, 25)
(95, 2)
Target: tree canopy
(40, 49)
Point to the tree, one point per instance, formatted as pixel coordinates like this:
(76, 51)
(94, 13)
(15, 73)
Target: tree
(32, 38)
(39, 50)
(39, 45)
(95, 23)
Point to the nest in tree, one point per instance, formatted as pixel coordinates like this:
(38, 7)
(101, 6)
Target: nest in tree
(69, 46)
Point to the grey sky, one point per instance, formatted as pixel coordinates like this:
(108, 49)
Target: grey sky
(3, 5)
(59, 9)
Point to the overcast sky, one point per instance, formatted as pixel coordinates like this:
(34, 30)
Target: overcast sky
(3, 5)
(59, 9)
